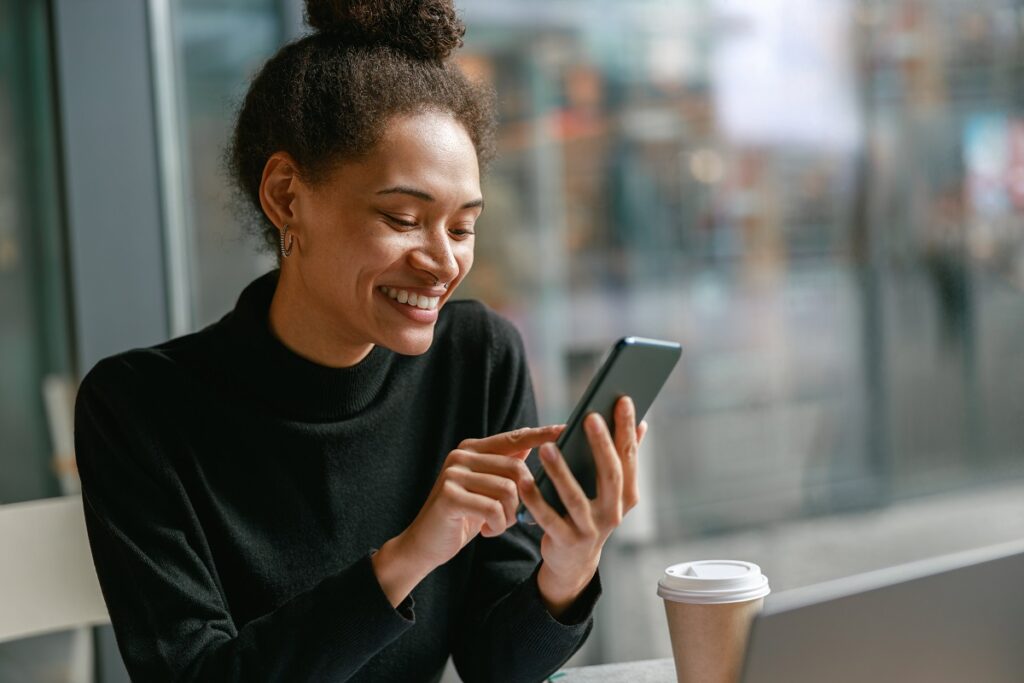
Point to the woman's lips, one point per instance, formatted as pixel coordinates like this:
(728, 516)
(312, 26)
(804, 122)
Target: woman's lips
(413, 313)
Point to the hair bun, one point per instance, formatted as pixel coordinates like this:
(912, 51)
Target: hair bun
(426, 29)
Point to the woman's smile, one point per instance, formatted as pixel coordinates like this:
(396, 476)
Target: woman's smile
(411, 303)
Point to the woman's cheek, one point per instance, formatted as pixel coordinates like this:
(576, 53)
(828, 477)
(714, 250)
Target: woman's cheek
(465, 258)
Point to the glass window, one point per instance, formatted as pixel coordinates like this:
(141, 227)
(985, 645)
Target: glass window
(820, 201)
(818, 204)
(35, 391)
(36, 386)
(220, 46)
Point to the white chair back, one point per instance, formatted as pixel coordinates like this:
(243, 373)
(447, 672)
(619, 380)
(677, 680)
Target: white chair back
(47, 579)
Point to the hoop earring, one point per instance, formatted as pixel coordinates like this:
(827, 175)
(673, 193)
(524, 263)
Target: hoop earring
(286, 252)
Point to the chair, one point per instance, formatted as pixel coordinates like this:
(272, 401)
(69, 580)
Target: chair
(47, 579)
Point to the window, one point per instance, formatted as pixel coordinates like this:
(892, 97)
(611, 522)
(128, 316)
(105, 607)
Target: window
(36, 386)
(821, 209)
(35, 392)
(221, 44)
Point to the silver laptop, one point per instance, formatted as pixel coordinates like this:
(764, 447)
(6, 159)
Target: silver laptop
(953, 619)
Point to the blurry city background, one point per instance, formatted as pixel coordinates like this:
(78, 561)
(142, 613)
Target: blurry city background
(822, 200)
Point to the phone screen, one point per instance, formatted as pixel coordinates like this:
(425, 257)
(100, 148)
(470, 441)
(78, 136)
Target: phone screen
(635, 367)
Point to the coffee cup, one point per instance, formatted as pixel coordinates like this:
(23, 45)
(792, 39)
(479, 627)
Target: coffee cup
(709, 605)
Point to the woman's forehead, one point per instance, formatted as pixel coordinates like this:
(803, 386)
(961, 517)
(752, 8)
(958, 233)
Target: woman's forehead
(429, 139)
(429, 157)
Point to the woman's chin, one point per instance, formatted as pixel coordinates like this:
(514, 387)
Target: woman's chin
(410, 343)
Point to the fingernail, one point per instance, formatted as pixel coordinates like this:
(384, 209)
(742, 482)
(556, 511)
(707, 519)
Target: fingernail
(591, 423)
(547, 452)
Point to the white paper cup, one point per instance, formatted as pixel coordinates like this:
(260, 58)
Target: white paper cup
(709, 605)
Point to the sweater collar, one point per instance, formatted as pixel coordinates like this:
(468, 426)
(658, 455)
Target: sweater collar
(293, 386)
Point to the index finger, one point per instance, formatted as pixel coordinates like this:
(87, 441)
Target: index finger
(516, 441)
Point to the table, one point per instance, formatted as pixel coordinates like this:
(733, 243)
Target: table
(644, 671)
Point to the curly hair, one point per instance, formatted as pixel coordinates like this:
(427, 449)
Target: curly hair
(327, 97)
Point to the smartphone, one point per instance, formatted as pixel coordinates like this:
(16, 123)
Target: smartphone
(634, 367)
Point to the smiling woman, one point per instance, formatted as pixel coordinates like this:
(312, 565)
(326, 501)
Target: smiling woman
(322, 485)
(400, 217)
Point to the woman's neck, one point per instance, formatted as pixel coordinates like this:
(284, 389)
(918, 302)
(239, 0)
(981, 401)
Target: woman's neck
(298, 323)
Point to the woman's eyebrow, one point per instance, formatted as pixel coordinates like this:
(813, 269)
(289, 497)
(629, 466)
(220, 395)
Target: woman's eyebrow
(426, 196)
(412, 191)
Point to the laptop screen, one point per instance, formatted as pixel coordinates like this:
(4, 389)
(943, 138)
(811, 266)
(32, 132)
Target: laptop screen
(952, 619)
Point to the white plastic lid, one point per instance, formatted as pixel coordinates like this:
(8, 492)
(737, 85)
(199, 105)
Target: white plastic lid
(711, 582)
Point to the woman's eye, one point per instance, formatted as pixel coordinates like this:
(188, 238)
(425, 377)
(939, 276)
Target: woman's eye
(402, 223)
(462, 230)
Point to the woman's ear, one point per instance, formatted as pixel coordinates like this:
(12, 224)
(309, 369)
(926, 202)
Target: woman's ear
(277, 188)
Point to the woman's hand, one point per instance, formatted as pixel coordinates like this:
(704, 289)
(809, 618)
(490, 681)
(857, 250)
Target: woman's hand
(572, 545)
(476, 492)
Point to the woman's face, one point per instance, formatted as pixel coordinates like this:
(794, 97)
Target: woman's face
(383, 235)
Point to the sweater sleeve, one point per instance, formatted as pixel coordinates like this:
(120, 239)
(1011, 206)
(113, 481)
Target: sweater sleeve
(160, 584)
(507, 632)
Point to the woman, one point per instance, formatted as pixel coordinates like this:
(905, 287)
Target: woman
(322, 485)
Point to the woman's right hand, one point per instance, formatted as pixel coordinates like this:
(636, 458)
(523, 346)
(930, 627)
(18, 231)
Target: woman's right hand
(476, 492)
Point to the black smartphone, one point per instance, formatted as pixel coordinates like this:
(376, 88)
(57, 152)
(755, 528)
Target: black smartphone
(635, 367)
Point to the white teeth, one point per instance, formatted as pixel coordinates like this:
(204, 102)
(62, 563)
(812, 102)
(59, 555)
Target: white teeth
(427, 303)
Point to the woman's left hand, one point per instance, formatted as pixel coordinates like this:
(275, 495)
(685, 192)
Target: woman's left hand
(571, 547)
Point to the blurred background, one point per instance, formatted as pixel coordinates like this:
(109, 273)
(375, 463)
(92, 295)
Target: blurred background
(822, 200)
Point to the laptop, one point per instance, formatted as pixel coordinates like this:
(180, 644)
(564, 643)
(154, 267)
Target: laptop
(952, 619)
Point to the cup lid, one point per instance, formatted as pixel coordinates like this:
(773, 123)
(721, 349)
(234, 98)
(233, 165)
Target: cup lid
(709, 582)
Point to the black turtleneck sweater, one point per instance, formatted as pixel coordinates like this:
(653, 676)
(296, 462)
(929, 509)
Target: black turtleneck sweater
(234, 492)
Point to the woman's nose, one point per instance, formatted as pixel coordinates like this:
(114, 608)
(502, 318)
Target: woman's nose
(437, 256)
